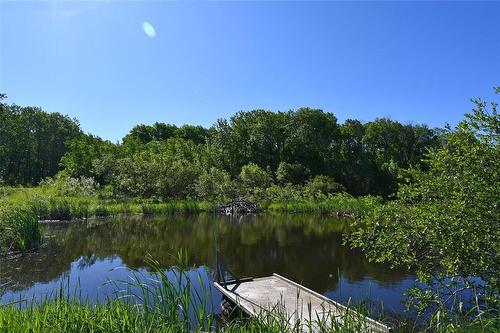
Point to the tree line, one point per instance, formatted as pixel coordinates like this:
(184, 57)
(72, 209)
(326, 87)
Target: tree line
(252, 149)
(32, 143)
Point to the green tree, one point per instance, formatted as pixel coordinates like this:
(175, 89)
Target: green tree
(256, 136)
(292, 173)
(391, 146)
(196, 134)
(138, 174)
(254, 177)
(147, 133)
(32, 143)
(323, 185)
(311, 137)
(82, 153)
(177, 179)
(355, 166)
(446, 220)
(215, 185)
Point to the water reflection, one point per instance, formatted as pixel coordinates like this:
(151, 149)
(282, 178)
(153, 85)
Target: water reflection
(305, 248)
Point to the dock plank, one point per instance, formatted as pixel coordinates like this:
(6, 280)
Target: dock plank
(301, 306)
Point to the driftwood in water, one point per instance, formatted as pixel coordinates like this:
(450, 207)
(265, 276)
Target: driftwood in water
(239, 207)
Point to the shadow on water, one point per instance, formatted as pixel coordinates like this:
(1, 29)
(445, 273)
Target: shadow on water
(304, 248)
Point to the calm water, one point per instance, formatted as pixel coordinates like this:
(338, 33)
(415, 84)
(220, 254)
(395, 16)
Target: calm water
(305, 248)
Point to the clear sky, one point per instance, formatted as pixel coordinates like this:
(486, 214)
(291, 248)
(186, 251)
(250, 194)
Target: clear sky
(115, 64)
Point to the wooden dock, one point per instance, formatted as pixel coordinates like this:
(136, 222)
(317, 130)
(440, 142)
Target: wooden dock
(303, 308)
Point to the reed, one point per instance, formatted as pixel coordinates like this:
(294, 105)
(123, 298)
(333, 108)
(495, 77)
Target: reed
(22, 208)
(19, 228)
(344, 205)
(161, 302)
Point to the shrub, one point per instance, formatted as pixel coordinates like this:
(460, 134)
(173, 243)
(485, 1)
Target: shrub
(64, 185)
(292, 173)
(444, 223)
(283, 193)
(252, 176)
(60, 209)
(323, 185)
(214, 184)
(101, 211)
(178, 180)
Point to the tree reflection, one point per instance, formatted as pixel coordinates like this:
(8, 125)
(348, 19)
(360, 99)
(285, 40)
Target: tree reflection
(305, 248)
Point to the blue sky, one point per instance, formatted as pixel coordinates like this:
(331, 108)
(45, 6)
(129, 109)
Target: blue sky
(410, 61)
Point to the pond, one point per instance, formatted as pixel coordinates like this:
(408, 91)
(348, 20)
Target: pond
(308, 249)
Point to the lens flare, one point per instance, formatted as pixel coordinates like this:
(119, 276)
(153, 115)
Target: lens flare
(149, 30)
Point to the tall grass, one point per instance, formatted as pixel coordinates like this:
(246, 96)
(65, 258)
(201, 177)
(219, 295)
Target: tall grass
(161, 303)
(56, 208)
(155, 303)
(22, 208)
(51, 205)
(341, 204)
(19, 228)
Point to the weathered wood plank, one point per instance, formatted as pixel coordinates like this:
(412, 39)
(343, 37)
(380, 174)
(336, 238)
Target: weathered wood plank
(299, 305)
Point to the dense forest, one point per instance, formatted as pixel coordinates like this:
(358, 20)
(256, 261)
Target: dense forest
(259, 148)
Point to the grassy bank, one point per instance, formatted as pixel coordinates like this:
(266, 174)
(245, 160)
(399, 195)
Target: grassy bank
(19, 227)
(50, 205)
(22, 208)
(62, 316)
(72, 316)
(341, 204)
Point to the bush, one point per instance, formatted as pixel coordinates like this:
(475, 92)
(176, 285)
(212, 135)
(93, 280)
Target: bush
(214, 184)
(101, 211)
(178, 180)
(444, 223)
(323, 185)
(137, 175)
(283, 193)
(64, 185)
(252, 176)
(60, 209)
(292, 173)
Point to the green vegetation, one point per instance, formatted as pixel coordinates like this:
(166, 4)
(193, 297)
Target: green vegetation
(341, 204)
(445, 222)
(156, 304)
(288, 161)
(32, 143)
(431, 196)
(65, 198)
(166, 161)
(164, 304)
(19, 228)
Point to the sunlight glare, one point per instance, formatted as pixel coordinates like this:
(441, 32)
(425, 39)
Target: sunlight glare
(149, 30)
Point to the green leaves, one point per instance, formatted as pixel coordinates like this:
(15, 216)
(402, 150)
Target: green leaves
(252, 177)
(32, 143)
(215, 185)
(447, 219)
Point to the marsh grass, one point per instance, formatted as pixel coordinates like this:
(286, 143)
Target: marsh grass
(20, 232)
(157, 301)
(22, 208)
(185, 206)
(176, 301)
(153, 302)
(19, 228)
(342, 205)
